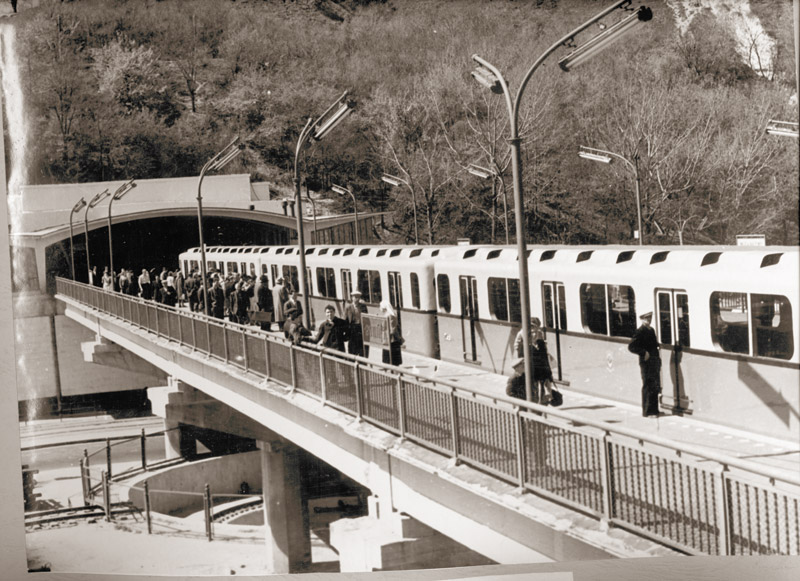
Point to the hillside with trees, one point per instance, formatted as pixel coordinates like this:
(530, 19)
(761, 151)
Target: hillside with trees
(149, 89)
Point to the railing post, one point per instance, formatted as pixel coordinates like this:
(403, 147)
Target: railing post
(207, 320)
(323, 379)
(401, 405)
(106, 496)
(180, 327)
(108, 456)
(147, 515)
(454, 423)
(147, 315)
(244, 350)
(518, 428)
(89, 492)
(207, 509)
(266, 357)
(166, 315)
(83, 483)
(158, 331)
(359, 402)
(607, 473)
(144, 451)
(224, 341)
(723, 509)
(293, 365)
(193, 319)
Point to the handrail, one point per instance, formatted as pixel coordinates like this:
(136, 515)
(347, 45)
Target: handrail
(610, 475)
(546, 411)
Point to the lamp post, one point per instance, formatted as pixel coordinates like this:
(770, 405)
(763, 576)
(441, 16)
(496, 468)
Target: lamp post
(121, 191)
(217, 162)
(342, 191)
(605, 157)
(491, 78)
(313, 214)
(396, 181)
(313, 130)
(95, 200)
(782, 128)
(76, 208)
(484, 173)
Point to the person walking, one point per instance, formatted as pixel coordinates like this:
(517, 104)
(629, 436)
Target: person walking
(144, 284)
(216, 300)
(264, 301)
(644, 343)
(190, 288)
(332, 330)
(355, 334)
(279, 298)
(393, 355)
(179, 286)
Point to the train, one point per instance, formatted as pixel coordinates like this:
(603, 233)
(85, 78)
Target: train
(725, 315)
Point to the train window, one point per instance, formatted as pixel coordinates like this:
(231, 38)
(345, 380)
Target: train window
(395, 252)
(593, 308)
(347, 252)
(771, 259)
(772, 326)
(369, 283)
(243, 266)
(547, 255)
(275, 276)
(395, 290)
(290, 276)
(363, 252)
(673, 317)
(212, 265)
(347, 283)
(435, 252)
(504, 299)
(415, 290)
(336, 251)
(729, 325)
(308, 286)
(263, 269)
(186, 267)
(608, 309)
(621, 310)
(231, 267)
(323, 251)
(194, 265)
(659, 257)
(625, 256)
(381, 252)
(443, 288)
(554, 304)
(585, 255)
(415, 252)
(326, 282)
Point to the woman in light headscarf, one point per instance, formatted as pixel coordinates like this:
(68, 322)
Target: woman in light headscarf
(393, 355)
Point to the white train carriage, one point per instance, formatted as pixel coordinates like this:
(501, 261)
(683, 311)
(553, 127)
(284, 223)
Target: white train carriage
(723, 315)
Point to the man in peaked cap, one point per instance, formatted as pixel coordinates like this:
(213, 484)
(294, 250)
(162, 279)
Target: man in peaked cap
(645, 344)
(355, 335)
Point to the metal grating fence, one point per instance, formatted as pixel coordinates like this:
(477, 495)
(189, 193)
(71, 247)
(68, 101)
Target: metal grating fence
(636, 481)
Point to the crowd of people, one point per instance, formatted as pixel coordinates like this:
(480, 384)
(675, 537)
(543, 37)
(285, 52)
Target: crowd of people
(248, 299)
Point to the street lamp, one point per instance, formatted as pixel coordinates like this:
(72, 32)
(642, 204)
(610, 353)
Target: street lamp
(486, 173)
(782, 128)
(396, 181)
(76, 208)
(220, 160)
(95, 200)
(605, 157)
(342, 191)
(489, 76)
(313, 213)
(121, 191)
(314, 130)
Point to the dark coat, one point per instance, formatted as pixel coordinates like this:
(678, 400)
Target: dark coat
(216, 302)
(264, 298)
(332, 333)
(644, 340)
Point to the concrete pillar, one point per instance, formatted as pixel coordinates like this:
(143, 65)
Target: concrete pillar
(178, 440)
(286, 526)
(387, 540)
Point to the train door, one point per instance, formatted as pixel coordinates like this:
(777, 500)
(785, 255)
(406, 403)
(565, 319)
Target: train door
(347, 284)
(673, 329)
(554, 304)
(396, 295)
(469, 316)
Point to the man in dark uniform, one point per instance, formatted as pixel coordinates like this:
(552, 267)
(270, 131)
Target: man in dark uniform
(645, 344)
(216, 300)
(515, 386)
(264, 300)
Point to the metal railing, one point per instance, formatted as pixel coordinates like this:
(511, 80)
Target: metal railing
(688, 498)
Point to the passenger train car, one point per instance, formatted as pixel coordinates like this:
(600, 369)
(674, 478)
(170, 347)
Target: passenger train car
(726, 317)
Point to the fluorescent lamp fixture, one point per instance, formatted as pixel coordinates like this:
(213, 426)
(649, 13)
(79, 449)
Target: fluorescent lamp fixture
(782, 128)
(598, 43)
(98, 198)
(339, 189)
(124, 189)
(343, 111)
(479, 171)
(594, 156)
(488, 79)
(225, 159)
(391, 180)
(79, 205)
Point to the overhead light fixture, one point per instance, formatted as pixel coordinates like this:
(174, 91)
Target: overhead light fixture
(339, 189)
(98, 198)
(488, 79)
(79, 205)
(594, 156)
(782, 128)
(598, 43)
(479, 171)
(343, 111)
(391, 180)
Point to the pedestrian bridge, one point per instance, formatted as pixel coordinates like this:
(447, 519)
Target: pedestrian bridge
(509, 480)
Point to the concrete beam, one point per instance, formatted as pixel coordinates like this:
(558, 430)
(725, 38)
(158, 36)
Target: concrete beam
(103, 352)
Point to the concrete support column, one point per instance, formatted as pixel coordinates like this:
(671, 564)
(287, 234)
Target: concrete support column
(288, 536)
(178, 441)
(387, 540)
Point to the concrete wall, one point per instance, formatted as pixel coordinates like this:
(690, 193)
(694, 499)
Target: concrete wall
(223, 476)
